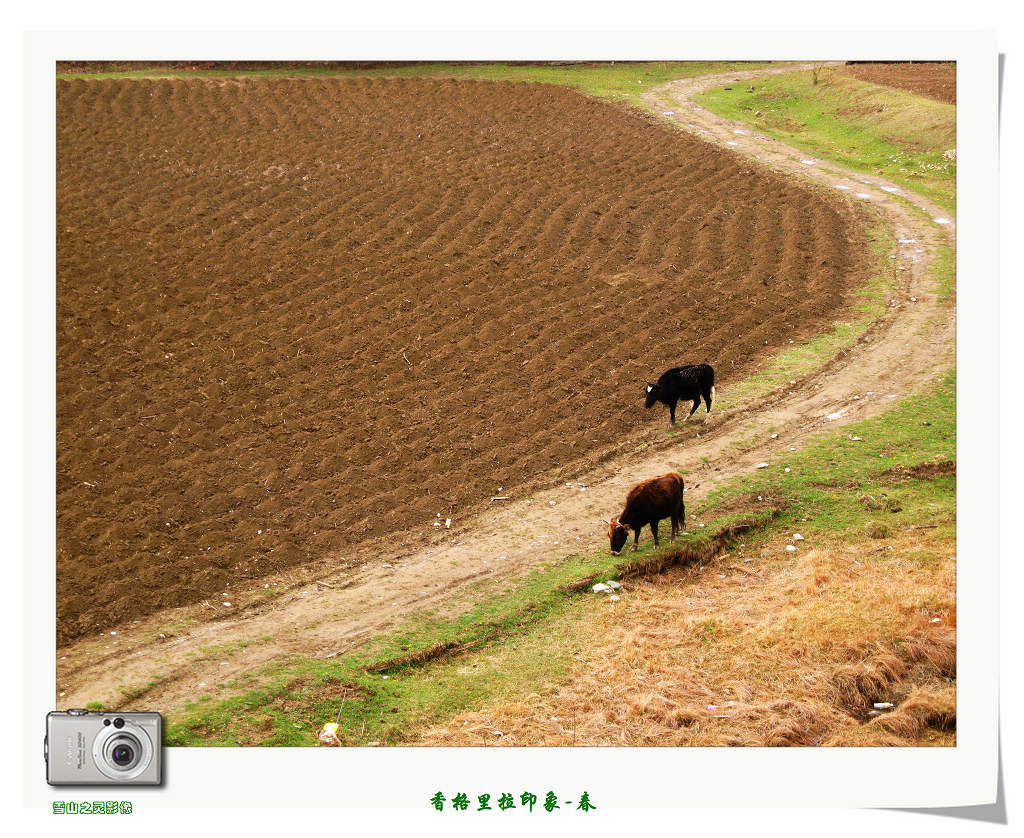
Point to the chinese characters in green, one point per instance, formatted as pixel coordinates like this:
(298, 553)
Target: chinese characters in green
(527, 800)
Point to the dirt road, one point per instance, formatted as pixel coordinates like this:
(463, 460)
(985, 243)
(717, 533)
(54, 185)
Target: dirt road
(386, 580)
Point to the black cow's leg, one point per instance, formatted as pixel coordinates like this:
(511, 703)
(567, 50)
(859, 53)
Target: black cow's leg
(707, 399)
(672, 413)
(696, 404)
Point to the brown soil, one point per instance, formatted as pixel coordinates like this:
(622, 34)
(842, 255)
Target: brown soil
(297, 314)
(178, 67)
(934, 80)
(923, 471)
(223, 66)
(169, 658)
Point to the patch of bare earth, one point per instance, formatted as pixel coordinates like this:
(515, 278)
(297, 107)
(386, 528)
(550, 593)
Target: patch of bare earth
(935, 80)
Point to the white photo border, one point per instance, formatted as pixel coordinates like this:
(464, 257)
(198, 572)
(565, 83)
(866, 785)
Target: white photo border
(617, 778)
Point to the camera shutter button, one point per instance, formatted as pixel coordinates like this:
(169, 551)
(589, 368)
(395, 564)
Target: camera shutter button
(78, 712)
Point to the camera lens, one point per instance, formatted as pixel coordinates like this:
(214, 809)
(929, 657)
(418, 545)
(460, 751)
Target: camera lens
(126, 750)
(123, 751)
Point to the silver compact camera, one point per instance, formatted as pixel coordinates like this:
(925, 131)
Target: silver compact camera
(86, 747)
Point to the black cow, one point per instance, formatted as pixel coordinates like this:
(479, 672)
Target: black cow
(692, 382)
(647, 503)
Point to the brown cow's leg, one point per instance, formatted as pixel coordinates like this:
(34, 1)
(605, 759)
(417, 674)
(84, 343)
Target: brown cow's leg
(654, 530)
(636, 538)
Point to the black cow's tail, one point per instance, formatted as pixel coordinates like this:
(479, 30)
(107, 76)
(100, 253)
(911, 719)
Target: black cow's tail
(709, 386)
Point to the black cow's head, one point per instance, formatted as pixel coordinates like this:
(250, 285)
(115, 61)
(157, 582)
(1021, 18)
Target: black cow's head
(653, 392)
(617, 535)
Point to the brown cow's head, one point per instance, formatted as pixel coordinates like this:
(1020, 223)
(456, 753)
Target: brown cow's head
(617, 535)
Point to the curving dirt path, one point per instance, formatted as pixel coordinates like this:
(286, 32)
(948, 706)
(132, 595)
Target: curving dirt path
(182, 653)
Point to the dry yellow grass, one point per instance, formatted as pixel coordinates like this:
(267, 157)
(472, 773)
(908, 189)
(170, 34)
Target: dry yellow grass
(788, 649)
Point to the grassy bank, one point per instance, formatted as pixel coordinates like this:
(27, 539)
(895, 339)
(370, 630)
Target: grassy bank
(908, 139)
(851, 499)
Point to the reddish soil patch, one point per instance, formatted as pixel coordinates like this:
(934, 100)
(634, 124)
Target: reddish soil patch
(177, 67)
(296, 313)
(934, 80)
(923, 471)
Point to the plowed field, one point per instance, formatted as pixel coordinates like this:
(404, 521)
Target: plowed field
(934, 80)
(293, 314)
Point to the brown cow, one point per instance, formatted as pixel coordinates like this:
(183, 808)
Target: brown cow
(647, 503)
